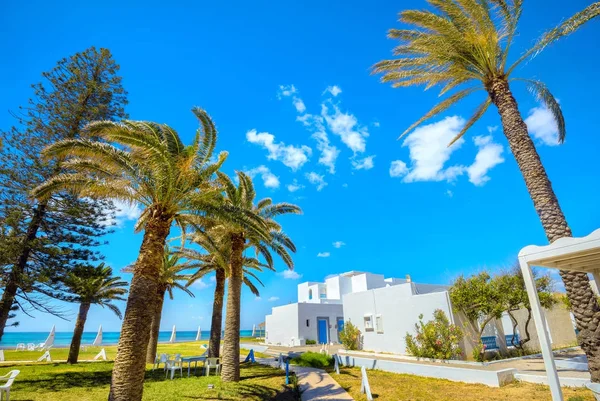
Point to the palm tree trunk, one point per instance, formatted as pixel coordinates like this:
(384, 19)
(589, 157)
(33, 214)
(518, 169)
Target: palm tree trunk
(585, 306)
(84, 308)
(18, 269)
(130, 364)
(231, 345)
(155, 327)
(214, 343)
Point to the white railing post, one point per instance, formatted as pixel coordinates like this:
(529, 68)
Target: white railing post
(364, 386)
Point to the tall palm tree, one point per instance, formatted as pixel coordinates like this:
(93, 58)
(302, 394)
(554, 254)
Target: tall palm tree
(171, 277)
(466, 44)
(217, 258)
(91, 285)
(142, 163)
(265, 238)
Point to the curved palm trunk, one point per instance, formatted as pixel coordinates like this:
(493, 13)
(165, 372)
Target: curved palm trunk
(217, 315)
(127, 382)
(155, 327)
(585, 306)
(84, 308)
(231, 345)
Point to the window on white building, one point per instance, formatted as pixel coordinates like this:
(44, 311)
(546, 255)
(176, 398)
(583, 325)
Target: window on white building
(368, 322)
(323, 295)
(379, 323)
(307, 322)
(309, 294)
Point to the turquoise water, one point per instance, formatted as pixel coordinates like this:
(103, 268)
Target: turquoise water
(63, 339)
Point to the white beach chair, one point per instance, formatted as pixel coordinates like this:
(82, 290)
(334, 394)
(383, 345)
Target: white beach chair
(213, 363)
(30, 347)
(162, 358)
(173, 365)
(9, 378)
(20, 347)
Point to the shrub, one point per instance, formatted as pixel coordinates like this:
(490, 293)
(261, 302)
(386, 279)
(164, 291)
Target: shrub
(313, 360)
(350, 336)
(436, 339)
(311, 342)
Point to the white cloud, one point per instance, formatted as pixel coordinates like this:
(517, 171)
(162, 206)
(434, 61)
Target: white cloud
(334, 90)
(346, 126)
(286, 90)
(290, 90)
(200, 284)
(398, 168)
(317, 180)
(291, 156)
(488, 156)
(329, 153)
(290, 275)
(299, 105)
(363, 164)
(376, 124)
(345, 185)
(270, 180)
(338, 244)
(294, 186)
(542, 126)
(273, 299)
(125, 212)
(429, 151)
(449, 193)
(323, 255)
(257, 298)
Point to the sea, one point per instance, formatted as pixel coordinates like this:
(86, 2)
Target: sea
(63, 339)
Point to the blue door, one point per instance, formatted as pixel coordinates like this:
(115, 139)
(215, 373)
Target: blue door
(322, 330)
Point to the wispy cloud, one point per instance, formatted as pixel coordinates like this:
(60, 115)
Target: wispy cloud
(363, 164)
(334, 90)
(291, 91)
(346, 126)
(542, 126)
(273, 299)
(338, 244)
(294, 186)
(323, 255)
(125, 212)
(290, 275)
(291, 156)
(270, 180)
(329, 153)
(317, 180)
(398, 168)
(488, 156)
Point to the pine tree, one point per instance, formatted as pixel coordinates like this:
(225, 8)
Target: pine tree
(46, 239)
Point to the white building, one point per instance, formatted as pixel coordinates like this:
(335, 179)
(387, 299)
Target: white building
(384, 315)
(322, 309)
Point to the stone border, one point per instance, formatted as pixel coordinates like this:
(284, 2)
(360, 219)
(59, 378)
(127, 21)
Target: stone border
(490, 378)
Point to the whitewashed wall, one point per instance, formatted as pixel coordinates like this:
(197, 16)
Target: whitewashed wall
(400, 311)
(282, 325)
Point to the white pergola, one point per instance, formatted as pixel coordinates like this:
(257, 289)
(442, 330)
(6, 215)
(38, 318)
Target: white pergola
(578, 254)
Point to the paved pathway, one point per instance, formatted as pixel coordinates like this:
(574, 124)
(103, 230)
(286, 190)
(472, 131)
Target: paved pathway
(315, 384)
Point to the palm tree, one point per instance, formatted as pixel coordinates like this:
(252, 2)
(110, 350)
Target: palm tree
(91, 285)
(467, 43)
(151, 167)
(264, 236)
(170, 278)
(216, 243)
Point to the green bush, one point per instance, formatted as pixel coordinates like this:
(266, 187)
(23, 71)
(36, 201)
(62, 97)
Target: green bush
(314, 360)
(437, 339)
(350, 336)
(311, 342)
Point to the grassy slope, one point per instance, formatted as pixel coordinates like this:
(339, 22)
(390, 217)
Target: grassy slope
(387, 386)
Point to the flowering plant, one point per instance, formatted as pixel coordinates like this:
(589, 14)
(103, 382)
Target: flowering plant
(438, 338)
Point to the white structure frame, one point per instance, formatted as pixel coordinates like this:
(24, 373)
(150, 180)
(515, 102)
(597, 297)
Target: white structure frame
(577, 254)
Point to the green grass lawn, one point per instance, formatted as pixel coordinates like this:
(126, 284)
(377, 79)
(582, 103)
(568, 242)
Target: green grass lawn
(387, 386)
(90, 381)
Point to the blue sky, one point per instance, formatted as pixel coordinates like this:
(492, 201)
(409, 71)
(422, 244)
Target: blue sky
(289, 88)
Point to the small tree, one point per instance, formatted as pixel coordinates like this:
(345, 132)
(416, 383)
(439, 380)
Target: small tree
(481, 300)
(350, 336)
(512, 286)
(437, 339)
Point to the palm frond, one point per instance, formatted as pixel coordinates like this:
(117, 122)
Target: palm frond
(542, 93)
(480, 111)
